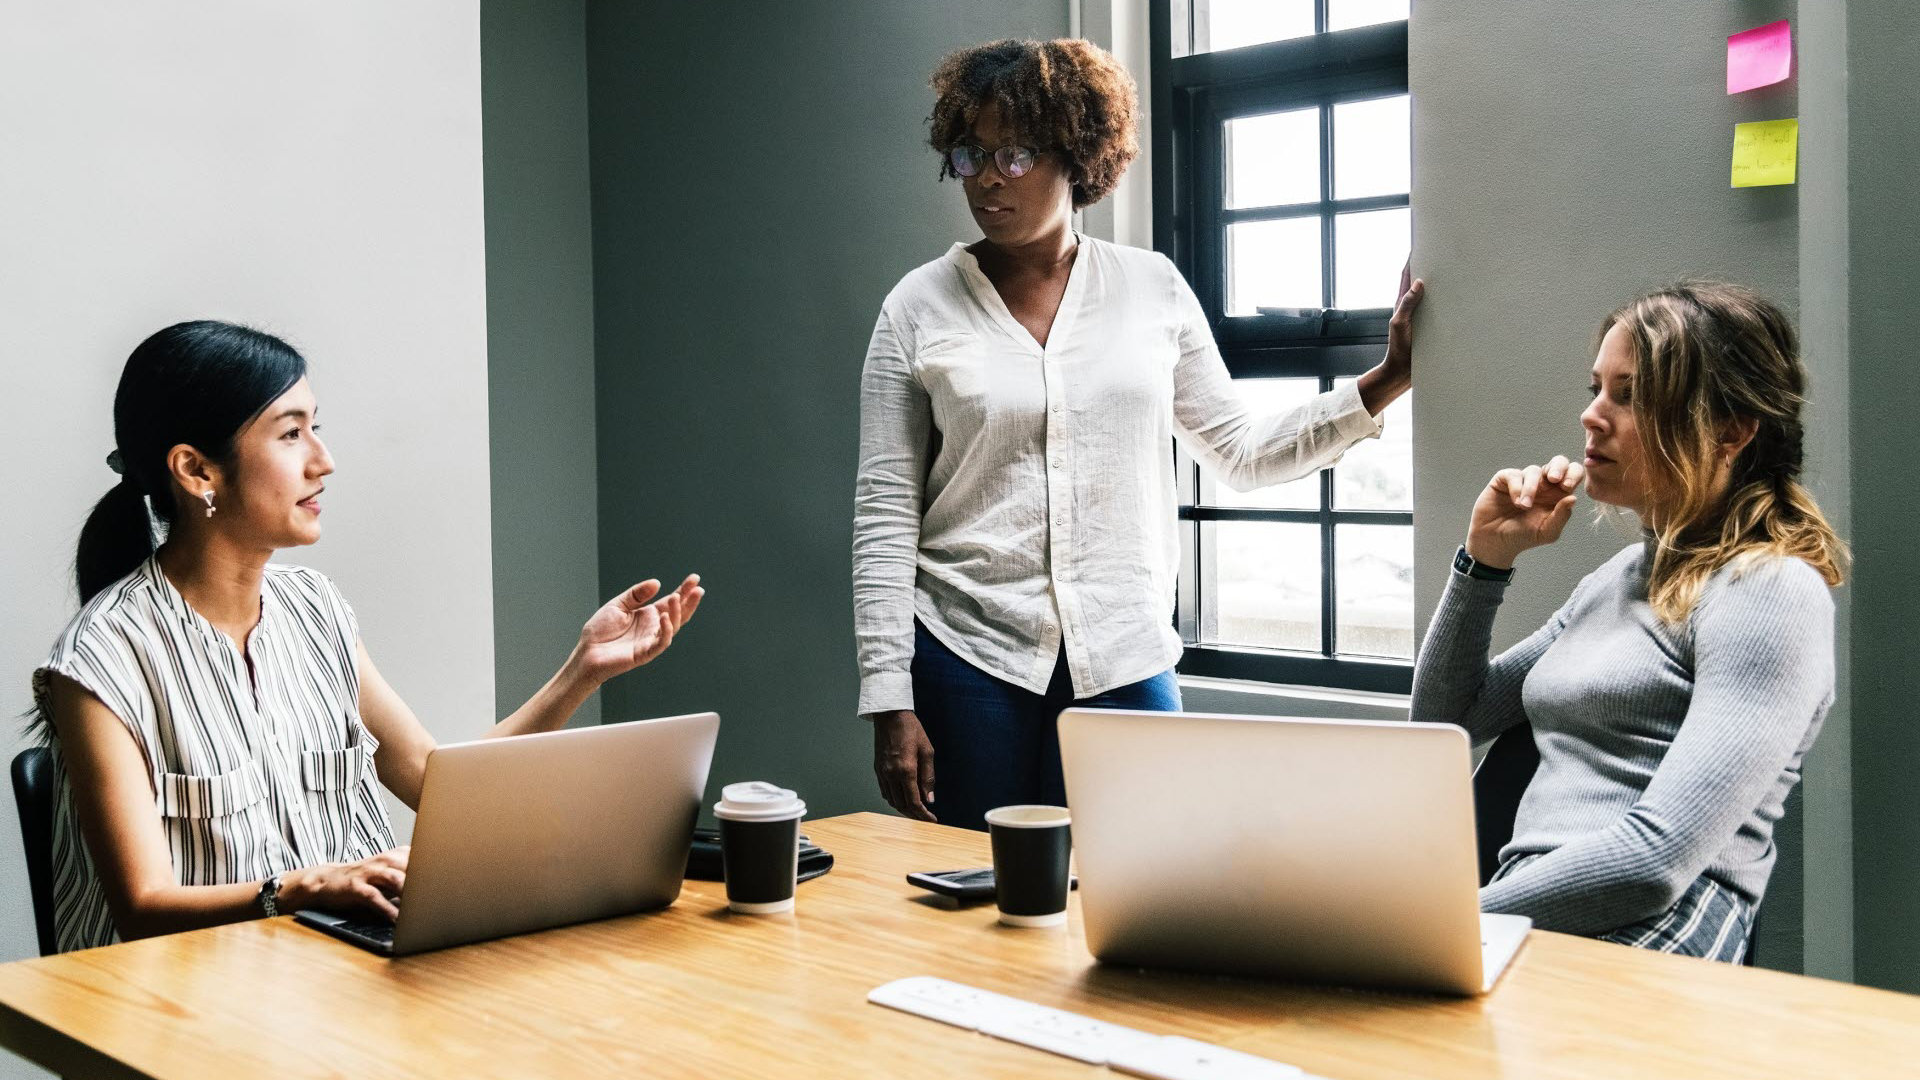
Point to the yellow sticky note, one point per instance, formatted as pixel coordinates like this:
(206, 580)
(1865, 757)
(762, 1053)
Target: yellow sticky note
(1765, 153)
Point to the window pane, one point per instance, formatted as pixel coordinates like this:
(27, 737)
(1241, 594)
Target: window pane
(1269, 396)
(1274, 264)
(1264, 586)
(1346, 14)
(1377, 474)
(1272, 160)
(1372, 148)
(1231, 24)
(1369, 251)
(1374, 590)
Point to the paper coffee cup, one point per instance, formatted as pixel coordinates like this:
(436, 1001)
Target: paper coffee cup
(1031, 845)
(759, 845)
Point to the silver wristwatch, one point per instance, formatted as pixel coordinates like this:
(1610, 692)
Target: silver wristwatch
(269, 898)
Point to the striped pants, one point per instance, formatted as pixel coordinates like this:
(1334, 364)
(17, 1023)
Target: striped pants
(1709, 920)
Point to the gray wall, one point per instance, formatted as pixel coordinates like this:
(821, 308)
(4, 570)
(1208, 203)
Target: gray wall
(540, 393)
(1561, 166)
(1827, 791)
(1883, 158)
(760, 180)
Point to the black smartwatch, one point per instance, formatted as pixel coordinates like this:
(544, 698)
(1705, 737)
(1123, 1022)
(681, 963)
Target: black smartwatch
(269, 897)
(1466, 564)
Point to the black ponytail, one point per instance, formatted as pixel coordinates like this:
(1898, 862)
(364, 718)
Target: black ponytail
(195, 384)
(116, 538)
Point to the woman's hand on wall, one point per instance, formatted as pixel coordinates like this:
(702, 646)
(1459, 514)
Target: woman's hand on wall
(1521, 509)
(1382, 384)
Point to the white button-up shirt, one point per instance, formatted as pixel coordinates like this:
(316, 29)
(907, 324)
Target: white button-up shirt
(1020, 500)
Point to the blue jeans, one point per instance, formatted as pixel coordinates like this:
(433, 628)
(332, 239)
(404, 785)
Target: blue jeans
(996, 744)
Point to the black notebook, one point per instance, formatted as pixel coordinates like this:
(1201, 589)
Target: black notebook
(703, 862)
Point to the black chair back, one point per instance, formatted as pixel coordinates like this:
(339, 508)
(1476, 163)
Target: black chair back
(33, 792)
(1498, 783)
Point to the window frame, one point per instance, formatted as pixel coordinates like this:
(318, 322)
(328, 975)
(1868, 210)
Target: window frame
(1191, 97)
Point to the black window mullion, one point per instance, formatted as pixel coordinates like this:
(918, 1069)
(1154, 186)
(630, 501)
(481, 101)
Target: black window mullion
(1326, 198)
(1329, 643)
(1295, 517)
(1330, 206)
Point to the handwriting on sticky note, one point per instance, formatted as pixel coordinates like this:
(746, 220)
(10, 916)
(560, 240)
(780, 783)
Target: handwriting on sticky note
(1765, 153)
(1758, 57)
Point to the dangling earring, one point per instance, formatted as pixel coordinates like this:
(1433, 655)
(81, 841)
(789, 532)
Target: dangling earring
(208, 495)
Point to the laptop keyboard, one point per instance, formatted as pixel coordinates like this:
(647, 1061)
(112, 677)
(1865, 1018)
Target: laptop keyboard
(381, 932)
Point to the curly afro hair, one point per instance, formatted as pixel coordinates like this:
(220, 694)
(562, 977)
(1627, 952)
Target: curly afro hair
(1067, 96)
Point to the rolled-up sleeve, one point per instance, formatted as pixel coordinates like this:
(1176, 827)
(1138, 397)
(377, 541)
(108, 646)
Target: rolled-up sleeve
(1245, 448)
(895, 427)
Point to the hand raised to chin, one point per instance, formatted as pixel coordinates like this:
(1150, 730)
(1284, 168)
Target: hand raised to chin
(1523, 508)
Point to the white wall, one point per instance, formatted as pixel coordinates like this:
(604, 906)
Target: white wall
(313, 169)
(1121, 28)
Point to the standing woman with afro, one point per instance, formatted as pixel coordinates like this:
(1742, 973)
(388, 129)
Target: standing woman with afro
(1015, 537)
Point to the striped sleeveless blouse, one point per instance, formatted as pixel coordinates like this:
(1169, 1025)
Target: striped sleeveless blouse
(252, 776)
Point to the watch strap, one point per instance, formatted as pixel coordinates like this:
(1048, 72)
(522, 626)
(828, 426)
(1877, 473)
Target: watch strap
(1473, 568)
(269, 896)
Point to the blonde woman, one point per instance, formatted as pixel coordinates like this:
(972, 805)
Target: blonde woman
(1675, 694)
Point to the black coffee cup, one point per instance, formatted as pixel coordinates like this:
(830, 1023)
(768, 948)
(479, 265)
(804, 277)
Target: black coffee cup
(1031, 845)
(759, 846)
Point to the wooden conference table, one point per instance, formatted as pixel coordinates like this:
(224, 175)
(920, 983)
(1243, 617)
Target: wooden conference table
(696, 991)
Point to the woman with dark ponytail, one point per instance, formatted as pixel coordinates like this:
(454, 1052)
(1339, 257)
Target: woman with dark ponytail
(1675, 694)
(219, 732)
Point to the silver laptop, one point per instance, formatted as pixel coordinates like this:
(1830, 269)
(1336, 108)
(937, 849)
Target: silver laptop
(1328, 851)
(535, 831)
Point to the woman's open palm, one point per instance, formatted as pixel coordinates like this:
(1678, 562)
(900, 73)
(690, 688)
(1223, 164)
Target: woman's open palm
(633, 628)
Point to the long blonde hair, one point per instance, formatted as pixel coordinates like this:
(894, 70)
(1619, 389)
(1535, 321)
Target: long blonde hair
(1708, 353)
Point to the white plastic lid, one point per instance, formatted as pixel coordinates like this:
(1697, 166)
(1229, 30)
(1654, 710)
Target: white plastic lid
(1029, 816)
(757, 800)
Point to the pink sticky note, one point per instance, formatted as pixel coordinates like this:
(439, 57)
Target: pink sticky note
(1761, 56)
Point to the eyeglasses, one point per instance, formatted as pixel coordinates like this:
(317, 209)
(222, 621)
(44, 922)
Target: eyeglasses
(1014, 161)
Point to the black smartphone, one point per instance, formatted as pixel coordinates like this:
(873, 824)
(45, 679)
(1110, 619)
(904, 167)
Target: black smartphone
(963, 885)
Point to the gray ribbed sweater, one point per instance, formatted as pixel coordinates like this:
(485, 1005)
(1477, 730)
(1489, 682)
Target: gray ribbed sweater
(1665, 752)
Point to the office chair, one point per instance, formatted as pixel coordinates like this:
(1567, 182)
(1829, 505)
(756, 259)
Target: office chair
(33, 792)
(1499, 782)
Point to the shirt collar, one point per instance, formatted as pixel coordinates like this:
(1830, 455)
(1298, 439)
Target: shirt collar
(177, 605)
(958, 253)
